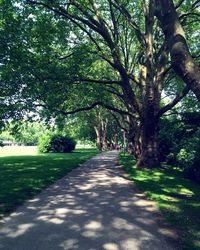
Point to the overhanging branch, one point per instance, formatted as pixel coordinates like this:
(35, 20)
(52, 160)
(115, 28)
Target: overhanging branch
(118, 122)
(177, 99)
(98, 81)
(87, 108)
(179, 4)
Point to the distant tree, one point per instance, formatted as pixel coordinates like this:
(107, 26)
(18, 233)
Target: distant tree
(27, 133)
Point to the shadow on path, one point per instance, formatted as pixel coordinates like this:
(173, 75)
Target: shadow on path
(94, 207)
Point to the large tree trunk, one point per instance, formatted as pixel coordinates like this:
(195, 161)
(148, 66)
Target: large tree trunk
(182, 61)
(149, 157)
(104, 131)
(149, 128)
(131, 147)
(134, 140)
(101, 132)
(137, 143)
(115, 140)
(130, 139)
(143, 140)
(98, 131)
(105, 143)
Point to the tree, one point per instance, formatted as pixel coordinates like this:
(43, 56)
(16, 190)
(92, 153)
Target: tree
(97, 126)
(182, 61)
(100, 52)
(29, 133)
(108, 40)
(24, 132)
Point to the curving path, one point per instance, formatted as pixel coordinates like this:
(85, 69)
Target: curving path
(93, 208)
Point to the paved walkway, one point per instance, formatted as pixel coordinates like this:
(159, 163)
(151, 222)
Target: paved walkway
(93, 208)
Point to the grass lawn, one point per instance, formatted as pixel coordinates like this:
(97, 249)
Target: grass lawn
(178, 198)
(18, 150)
(21, 177)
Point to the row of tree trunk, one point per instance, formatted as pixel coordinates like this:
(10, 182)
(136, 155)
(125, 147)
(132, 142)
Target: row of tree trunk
(140, 97)
(144, 108)
(101, 130)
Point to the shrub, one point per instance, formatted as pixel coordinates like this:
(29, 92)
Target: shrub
(180, 146)
(192, 171)
(171, 134)
(185, 157)
(56, 143)
(171, 159)
(44, 145)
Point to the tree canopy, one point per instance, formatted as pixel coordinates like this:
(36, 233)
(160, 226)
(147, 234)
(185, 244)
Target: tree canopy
(64, 57)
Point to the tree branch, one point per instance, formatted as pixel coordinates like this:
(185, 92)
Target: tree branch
(128, 17)
(114, 92)
(66, 56)
(196, 4)
(179, 4)
(134, 79)
(118, 122)
(184, 16)
(65, 113)
(173, 103)
(98, 81)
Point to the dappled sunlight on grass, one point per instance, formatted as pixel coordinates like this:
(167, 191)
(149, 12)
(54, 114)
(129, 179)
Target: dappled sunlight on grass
(95, 207)
(177, 197)
(21, 177)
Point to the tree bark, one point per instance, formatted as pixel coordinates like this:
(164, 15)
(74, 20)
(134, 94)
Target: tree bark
(181, 59)
(98, 131)
(134, 140)
(149, 128)
(149, 157)
(143, 140)
(104, 131)
(101, 132)
(131, 142)
(137, 143)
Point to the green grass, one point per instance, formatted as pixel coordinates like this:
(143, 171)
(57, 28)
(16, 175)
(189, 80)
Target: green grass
(178, 198)
(22, 177)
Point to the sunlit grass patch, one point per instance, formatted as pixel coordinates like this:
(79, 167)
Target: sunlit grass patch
(18, 150)
(21, 177)
(178, 198)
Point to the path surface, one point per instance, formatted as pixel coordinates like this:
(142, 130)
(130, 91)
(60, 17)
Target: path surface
(92, 208)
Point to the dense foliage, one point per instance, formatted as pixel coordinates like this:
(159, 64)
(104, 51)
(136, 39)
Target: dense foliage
(180, 143)
(23, 132)
(119, 55)
(56, 143)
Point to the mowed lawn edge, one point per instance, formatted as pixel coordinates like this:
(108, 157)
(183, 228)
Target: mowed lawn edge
(177, 198)
(22, 177)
